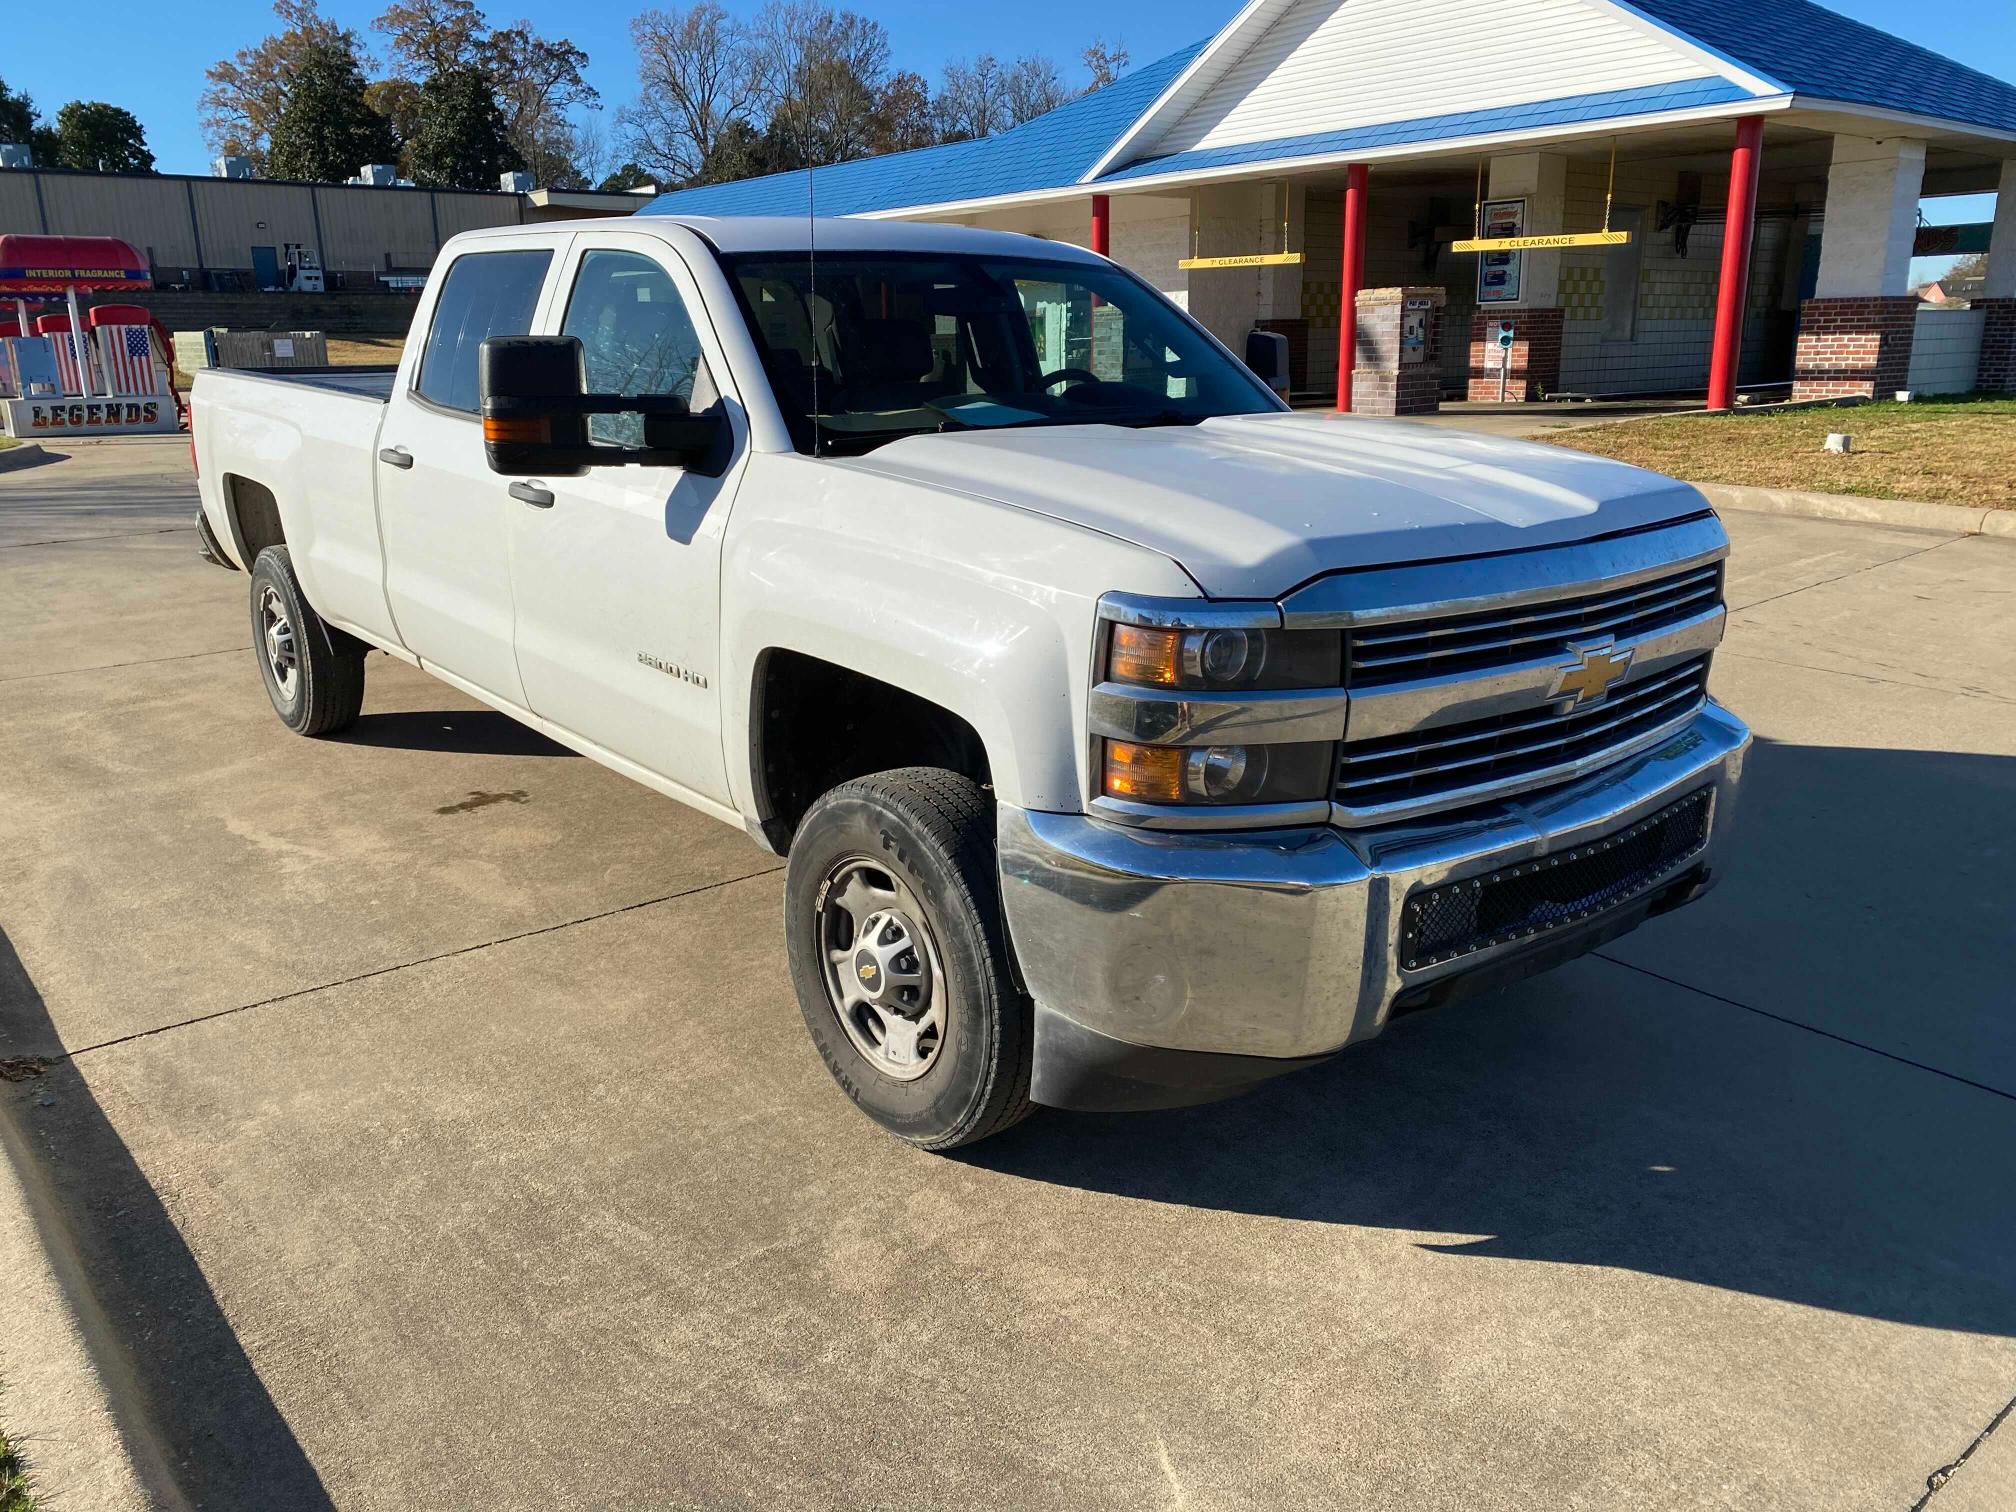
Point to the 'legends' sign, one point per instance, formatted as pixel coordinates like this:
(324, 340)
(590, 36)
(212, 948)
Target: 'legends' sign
(35, 418)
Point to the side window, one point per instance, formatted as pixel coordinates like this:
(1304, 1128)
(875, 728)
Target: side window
(636, 338)
(484, 294)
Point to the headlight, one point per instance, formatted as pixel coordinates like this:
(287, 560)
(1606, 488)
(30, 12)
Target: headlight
(1223, 659)
(1198, 716)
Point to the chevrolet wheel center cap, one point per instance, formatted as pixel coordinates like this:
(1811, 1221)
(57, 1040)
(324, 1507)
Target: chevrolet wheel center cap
(868, 972)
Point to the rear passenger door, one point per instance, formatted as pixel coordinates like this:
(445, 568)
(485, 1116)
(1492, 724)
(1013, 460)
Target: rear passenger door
(616, 579)
(444, 516)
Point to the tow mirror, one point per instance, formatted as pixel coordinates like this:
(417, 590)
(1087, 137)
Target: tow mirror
(535, 416)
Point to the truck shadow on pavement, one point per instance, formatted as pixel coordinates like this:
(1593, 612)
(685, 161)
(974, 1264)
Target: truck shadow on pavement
(155, 1330)
(1607, 1115)
(469, 732)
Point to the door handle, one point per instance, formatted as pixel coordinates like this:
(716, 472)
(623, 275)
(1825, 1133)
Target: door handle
(533, 494)
(397, 456)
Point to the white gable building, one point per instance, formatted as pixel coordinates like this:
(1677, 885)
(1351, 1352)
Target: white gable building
(1316, 167)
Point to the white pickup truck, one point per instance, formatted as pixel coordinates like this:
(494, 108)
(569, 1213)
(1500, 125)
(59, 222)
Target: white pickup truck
(1131, 738)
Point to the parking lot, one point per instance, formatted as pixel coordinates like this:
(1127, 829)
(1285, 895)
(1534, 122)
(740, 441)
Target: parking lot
(431, 1122)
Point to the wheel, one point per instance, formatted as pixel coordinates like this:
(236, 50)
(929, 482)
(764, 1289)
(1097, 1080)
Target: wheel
(899, 959)
(314, 675)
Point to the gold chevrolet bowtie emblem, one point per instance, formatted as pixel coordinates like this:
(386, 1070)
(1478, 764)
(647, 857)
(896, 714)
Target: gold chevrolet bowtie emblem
(1589, 677)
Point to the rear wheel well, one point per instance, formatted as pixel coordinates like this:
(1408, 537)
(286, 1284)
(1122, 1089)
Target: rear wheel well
(255, 516)
(815, 725)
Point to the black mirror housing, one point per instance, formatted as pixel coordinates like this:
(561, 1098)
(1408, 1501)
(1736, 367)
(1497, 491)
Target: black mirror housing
(1267, 356)
(535, 416)
(531, 388)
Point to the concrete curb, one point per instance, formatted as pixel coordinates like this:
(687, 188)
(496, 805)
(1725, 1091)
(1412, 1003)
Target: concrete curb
(59, 1405)
(27, 454)
(1958, 518)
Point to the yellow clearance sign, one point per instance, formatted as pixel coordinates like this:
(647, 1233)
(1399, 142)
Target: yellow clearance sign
(1540, 243)
(1245, 260)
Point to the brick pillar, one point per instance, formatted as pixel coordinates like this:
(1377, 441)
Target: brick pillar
(1997, 373)
(1535, 355)
(1853, 347)
(1398, 368)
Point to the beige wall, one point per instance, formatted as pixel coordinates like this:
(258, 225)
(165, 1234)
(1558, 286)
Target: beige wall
(197, 223)
(360, 226)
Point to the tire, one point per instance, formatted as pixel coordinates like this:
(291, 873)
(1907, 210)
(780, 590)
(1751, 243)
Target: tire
(313, 674)
(928, 834)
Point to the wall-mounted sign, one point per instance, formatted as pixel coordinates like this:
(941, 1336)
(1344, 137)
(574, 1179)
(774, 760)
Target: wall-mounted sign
(1498, 270)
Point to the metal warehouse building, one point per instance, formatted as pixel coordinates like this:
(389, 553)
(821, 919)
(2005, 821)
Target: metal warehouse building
(236, 233)
(1526, 196)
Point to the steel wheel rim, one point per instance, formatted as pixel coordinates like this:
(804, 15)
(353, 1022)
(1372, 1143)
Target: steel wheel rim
(283, 655)
(884, 981)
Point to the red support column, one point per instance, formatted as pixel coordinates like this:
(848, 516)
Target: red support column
(1102, 225)
(1737, 235)
(1353, 280)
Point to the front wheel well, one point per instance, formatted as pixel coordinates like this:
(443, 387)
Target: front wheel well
(815, 724)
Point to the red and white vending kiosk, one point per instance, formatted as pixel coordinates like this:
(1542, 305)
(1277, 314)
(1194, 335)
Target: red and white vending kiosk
(106, 373)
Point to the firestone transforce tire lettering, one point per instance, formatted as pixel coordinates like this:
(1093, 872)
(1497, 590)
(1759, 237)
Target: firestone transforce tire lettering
(899, 959)
(316, 689)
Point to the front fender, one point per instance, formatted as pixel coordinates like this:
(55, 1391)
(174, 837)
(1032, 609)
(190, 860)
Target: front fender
(979, 607)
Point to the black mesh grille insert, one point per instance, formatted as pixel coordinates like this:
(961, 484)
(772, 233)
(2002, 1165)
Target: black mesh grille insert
(1517, 902)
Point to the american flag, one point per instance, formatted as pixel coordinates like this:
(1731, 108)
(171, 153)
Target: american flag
(66, 362)
(129, 359)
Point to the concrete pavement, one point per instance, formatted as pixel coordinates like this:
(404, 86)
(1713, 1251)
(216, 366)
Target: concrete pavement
(423, 1151)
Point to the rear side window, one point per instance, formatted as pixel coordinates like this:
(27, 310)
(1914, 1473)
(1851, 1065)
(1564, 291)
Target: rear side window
(484, 294)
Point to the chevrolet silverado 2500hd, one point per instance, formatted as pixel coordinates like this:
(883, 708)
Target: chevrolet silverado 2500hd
(1131, 739)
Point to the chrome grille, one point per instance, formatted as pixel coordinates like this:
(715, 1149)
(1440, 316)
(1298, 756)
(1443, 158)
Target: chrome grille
(1381, 655)
(1440, 765)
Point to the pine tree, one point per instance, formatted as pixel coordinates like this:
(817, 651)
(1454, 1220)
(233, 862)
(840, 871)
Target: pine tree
(98, 138)
(327, 130)
(461, 142)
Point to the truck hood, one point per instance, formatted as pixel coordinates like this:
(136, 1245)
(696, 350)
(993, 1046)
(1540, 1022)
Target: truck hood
(1252, 506)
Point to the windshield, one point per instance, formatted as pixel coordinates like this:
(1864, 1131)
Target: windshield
(896, 345)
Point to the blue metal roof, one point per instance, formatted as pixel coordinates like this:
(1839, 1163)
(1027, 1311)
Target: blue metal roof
(1050, 152)
(1810, 50)
(1610, 104)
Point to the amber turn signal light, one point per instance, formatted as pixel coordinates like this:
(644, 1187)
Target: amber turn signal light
(1145, 657)
(526, 430)
(1143, 773)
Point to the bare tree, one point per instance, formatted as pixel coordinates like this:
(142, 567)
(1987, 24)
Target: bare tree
(539, 82)
(1032, 87)
(823, 73)
(970, 100)
(698, 74)
(1104, 63)
(982, 97)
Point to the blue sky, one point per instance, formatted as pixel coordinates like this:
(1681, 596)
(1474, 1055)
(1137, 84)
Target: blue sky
(159, 79)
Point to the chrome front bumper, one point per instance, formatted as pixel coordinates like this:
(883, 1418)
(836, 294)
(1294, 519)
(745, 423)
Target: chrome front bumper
(1284, 945)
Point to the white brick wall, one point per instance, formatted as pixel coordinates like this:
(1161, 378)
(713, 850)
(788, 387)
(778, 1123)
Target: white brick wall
(1674, 324)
